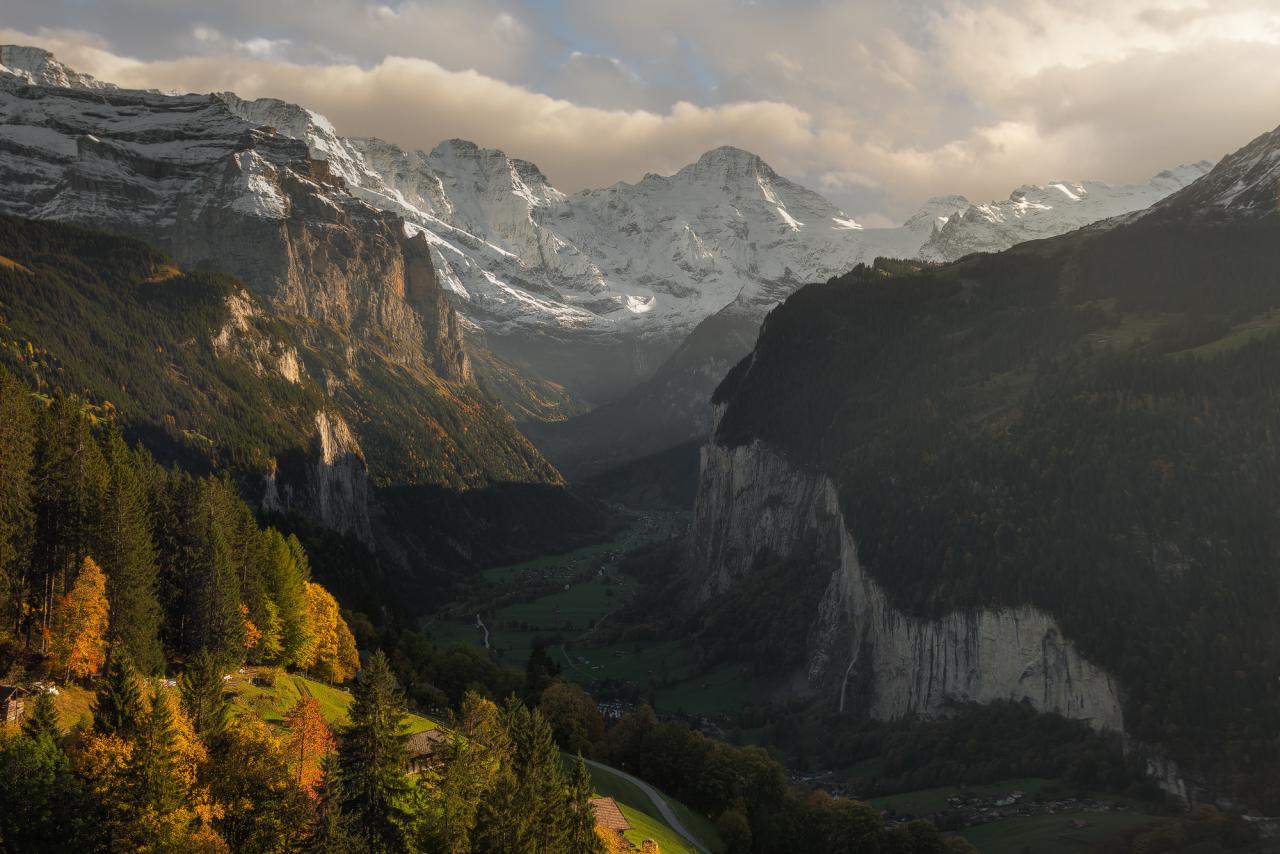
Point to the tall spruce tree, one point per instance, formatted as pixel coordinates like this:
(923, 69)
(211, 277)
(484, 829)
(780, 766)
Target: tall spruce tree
(214, 620)
(372, 759)
(118, 707)
(581, 836)
(17, 516)
(42, 721)
(71, 478)
(124, 547)
(203, 697)
(541, 790)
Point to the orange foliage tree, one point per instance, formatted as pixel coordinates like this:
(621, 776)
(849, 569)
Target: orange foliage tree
(76, 637)
(309, 741)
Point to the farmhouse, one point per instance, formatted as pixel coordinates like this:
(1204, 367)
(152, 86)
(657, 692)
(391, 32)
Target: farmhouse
(609, 817)
(13, 703)
(426, 750)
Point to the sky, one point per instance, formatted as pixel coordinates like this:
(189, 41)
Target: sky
(878, 105)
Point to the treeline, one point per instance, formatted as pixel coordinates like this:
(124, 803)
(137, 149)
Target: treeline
(102, 550)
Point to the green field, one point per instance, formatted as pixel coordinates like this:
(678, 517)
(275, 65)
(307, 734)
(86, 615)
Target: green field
(581, 590)
(273, 702)
(929, 801)
(1051, 834)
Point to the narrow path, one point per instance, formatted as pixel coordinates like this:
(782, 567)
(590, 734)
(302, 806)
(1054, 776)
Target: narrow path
(480, 625)
(668, 815)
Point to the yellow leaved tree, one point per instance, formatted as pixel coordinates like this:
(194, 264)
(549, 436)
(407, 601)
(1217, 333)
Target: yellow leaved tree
(76, 637)
(333, 654)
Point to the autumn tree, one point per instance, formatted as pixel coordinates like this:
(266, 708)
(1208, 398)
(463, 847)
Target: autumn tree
(165, 807)
(77, 633)
(309, 740)
(262, 809)
(333, 654)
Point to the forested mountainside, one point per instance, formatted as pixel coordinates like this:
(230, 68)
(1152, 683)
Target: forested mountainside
(204, 372)
(1068, 446)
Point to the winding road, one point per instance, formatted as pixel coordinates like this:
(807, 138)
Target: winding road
(668, 815)
(480, 625)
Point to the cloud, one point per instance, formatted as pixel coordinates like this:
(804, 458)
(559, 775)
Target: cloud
(877, 105)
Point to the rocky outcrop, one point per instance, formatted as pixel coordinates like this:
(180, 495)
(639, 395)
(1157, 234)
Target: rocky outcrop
(334, 487)
(864, 653)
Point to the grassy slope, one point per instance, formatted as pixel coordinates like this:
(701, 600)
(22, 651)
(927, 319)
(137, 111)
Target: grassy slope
(628, 794)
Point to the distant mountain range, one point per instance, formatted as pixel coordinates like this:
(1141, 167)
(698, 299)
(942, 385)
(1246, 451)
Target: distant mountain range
(639, 294)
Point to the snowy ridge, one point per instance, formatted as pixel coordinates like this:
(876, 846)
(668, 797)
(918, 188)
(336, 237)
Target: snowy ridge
(38, 67)
(634, 267)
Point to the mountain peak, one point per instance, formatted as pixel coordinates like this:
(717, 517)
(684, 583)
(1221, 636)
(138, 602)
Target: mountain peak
(39, 67)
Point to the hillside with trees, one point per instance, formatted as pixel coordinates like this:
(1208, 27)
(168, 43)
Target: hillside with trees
(1084, 424)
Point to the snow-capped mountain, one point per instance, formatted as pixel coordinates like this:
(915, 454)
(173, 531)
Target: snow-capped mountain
(1033, 211)
(592, 290)
(630, 270)
(39, 67)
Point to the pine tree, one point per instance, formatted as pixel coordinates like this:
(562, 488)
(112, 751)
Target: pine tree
(334, 832)
(71, 477)
(581, 837)
(203, 697)
(17, 516)
(42, 721)
(124, 545)
(372, 759)
(214, 619)
(117, 708)
(77, 632)
(541, 787)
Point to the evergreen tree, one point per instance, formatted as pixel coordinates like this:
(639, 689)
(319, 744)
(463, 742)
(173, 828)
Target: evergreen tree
(17, 456)
(42, 721)
(117, 708)
(371, 759)
(334, 832)
(203, 697)
(581, 837)
(539, 671)
(213, 590)
(124, 546)
(42, 805)
(541, 790)
(71, 477)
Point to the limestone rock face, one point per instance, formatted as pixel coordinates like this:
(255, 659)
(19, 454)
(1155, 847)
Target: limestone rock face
(863, 652)
(334, 489)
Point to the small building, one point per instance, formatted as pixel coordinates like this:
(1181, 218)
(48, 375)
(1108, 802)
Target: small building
(426, 749)
(13, 703)
(609, 817)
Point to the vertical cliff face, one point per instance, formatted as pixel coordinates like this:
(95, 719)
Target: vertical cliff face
(863, 653)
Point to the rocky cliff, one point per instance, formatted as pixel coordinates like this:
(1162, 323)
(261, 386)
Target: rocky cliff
(350, 292)
(863, 653)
